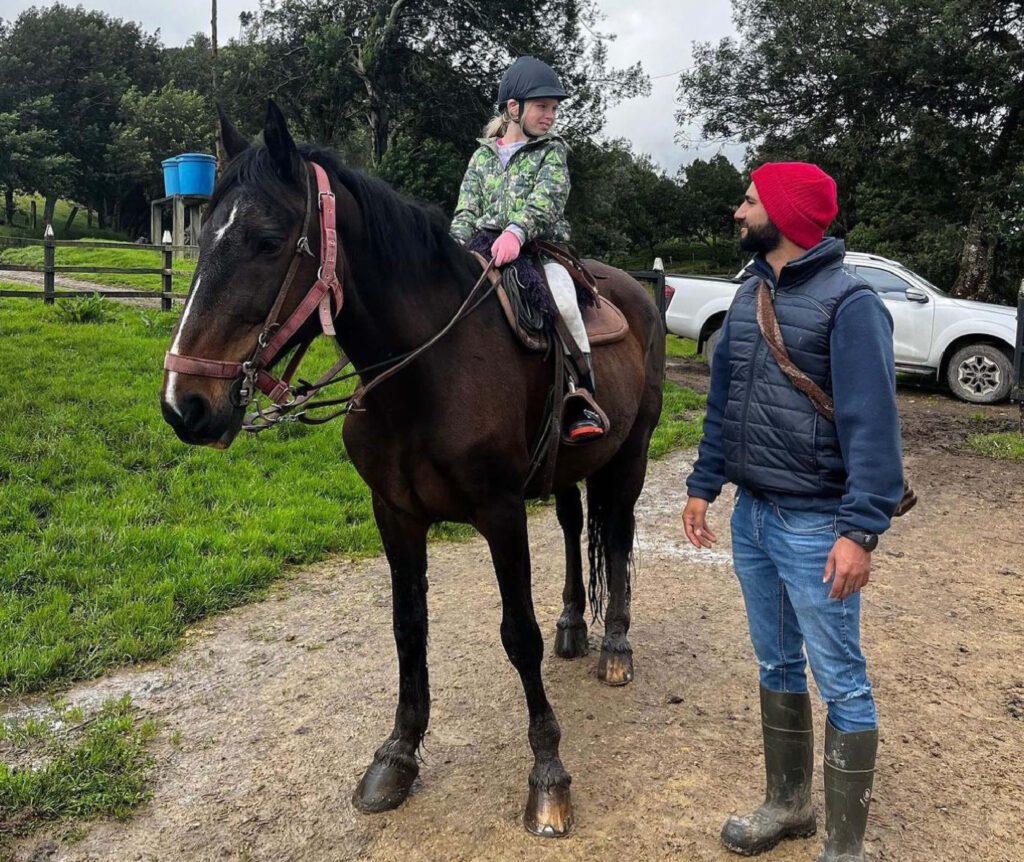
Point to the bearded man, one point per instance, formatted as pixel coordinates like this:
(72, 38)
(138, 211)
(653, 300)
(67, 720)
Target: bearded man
(812, 497)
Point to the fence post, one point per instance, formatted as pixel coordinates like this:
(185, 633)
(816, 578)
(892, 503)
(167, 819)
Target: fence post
(178, 224)
(49, 254)
(659, 286)
(1017, 392)
(165, 293)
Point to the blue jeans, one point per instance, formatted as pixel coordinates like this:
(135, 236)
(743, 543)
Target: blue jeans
(780, 556)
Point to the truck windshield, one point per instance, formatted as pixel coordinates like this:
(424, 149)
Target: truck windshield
(920, 277)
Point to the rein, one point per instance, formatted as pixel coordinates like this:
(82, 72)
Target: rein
(353, 403)
(253, 373)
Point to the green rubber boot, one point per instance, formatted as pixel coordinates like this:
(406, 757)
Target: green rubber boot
(789, 764)
(849, 774)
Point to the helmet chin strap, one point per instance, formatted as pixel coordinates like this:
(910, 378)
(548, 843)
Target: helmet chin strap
(519, 120)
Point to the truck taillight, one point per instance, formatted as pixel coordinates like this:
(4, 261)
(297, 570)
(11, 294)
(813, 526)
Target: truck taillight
(670, 291)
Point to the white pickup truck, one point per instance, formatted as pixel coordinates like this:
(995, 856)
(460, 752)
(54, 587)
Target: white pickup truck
(970, 344)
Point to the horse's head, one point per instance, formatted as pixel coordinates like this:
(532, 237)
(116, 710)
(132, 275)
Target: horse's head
(246, 249)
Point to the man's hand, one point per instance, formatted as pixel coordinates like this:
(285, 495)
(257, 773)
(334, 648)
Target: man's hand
(696, 525)
(848, 567)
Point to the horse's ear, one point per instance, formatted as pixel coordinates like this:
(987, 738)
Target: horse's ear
(279, 142)
(230, 138)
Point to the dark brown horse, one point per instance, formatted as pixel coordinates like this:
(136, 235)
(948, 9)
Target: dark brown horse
(448, 438)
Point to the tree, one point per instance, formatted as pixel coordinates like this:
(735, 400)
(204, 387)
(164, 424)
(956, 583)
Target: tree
(620, 202)
(90, 61)
(189, 67)
(652, 207)
(711, 192)
(29, 158)
(903, 98)
(294, 53)
(153, 127)
(157, 125)
(600, 179)
(427, 169)
(423, 67)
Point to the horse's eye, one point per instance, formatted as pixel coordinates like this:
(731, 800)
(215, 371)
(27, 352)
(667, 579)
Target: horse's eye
(268, 245)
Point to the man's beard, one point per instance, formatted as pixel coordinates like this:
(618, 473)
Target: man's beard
(761, 239)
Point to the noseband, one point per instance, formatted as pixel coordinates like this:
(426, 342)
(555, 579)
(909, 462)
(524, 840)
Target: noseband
(253, 373)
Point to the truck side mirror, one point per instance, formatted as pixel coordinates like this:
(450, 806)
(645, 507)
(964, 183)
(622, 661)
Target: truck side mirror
(916, 294)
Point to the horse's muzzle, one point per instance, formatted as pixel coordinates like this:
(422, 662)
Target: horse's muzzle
(197, 423)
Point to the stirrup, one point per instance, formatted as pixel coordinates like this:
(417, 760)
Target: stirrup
(583, 415)
(588, 427)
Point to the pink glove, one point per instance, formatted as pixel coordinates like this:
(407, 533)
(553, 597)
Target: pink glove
(506, 248)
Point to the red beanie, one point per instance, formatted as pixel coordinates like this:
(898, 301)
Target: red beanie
(799, 197)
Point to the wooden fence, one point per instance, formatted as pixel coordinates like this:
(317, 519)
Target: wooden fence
(657, 279)
(50, 270)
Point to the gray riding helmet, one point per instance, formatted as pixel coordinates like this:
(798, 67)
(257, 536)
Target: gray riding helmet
(529, 78)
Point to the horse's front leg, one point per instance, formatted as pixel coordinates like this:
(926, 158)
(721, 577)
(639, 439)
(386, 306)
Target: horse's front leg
(549, 804)
(387, 780)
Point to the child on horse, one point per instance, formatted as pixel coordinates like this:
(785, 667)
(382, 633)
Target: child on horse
(517, 184)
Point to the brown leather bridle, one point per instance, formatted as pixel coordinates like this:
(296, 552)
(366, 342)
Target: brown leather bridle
(253, 374)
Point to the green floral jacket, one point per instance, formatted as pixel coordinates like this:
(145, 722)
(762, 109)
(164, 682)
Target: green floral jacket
(530, 191)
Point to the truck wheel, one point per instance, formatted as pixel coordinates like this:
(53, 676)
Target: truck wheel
(980, 373)
(710, 343)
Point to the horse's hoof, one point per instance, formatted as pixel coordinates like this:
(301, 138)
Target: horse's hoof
(549, 812)
(383, 786)
(571, 641)
(615, 668)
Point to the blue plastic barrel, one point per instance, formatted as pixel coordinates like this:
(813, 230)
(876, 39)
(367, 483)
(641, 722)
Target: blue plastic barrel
(196, 172)
(171, 184)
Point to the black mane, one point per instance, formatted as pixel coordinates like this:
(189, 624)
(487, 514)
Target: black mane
(403, 235)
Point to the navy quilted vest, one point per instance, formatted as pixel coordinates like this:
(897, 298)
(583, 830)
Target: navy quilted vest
(773, 438)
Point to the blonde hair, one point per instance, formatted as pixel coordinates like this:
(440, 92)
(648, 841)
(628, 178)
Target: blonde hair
(496, 127)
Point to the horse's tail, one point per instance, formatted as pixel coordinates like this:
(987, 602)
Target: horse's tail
(597, 548)
(599, 520)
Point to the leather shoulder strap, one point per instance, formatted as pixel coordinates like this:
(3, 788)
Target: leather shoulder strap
(772, 332)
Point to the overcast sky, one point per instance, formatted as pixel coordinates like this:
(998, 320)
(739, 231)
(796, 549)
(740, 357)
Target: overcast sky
(659, 33)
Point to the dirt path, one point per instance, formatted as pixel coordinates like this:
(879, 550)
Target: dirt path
(280, 705)
(35, 279)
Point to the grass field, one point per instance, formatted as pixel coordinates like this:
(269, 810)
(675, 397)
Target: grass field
(65, 764)
(79, 228)
(114, 257)
(675, 346)
(114, 536)
(1008, 446)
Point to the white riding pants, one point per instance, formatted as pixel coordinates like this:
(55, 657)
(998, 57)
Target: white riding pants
(563, 291)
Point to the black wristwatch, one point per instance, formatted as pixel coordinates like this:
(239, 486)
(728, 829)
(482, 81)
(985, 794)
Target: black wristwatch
(868, 541)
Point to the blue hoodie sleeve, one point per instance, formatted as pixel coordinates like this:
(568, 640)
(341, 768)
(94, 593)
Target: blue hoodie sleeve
(708, 474)
(866, 416)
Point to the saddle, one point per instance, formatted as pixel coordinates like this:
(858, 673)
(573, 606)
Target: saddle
(604, 323)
